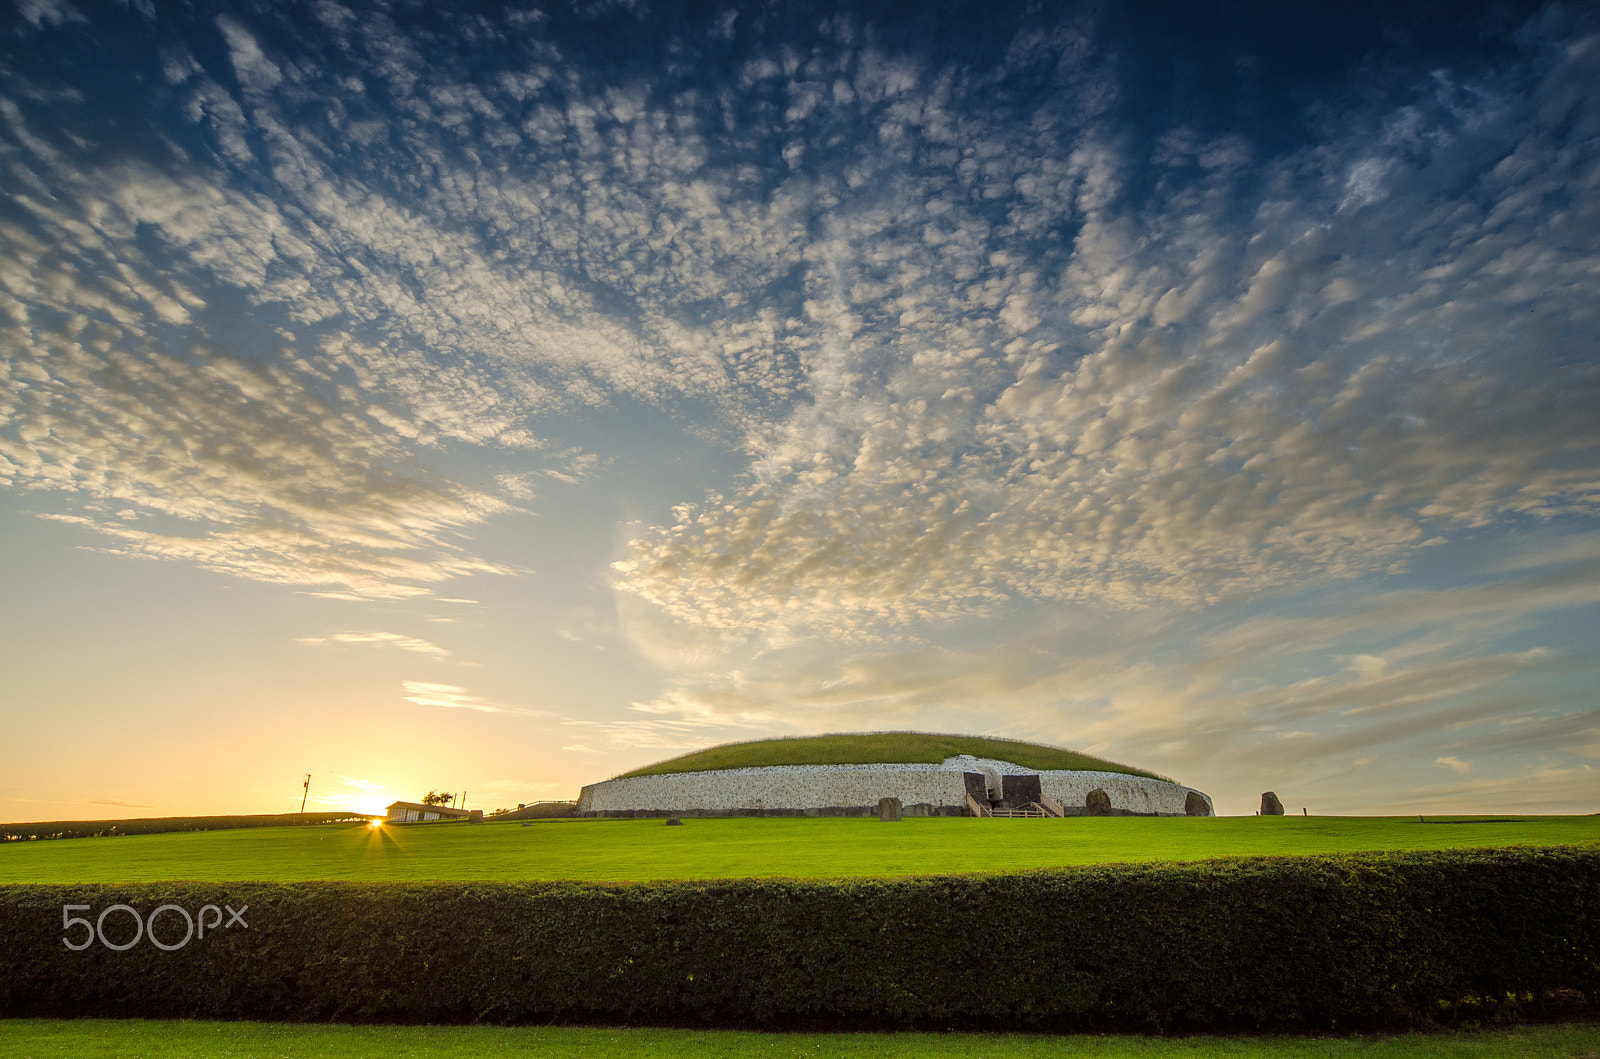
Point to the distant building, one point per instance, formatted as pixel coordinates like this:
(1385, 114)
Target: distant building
(417, 813)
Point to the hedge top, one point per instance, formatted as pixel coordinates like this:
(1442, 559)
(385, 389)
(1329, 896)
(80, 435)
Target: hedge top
(881, 748)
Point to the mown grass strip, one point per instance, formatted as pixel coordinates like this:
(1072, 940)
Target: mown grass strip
(120, 1038)
(800, 848)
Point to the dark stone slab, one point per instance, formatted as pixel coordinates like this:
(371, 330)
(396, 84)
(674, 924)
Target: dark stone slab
(889, 810)
(1097, 803)
(977, 786)
(1021, 790)
(1270, 805)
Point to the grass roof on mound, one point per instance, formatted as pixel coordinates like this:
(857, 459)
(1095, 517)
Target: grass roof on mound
(875, 748)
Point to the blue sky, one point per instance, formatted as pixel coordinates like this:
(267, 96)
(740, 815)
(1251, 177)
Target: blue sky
(503, 397)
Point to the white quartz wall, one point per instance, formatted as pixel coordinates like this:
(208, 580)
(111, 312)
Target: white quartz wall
(1136, 794)
(778, 787)
(825, 786)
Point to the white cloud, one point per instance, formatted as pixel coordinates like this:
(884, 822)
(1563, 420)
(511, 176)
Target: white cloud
(39, 13)
(452, 697)
(389, 639)
(449, 696)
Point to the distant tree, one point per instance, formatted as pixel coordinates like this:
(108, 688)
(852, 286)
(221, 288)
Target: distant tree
(438, 798)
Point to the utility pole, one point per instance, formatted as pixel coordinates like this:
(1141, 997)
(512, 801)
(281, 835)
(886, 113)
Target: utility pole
(306, 794)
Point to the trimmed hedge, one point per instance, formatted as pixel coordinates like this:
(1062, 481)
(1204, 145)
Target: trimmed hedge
(1348, 942)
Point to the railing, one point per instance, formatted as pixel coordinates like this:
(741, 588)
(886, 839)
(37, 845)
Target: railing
(1051, 806)
(1031, 809)
(976, 808)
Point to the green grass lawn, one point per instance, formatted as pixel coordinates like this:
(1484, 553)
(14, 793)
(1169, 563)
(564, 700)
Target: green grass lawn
(867, 748)
(797, 847)
(96, 1038)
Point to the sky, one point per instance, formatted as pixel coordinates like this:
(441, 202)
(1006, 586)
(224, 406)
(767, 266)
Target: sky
(495, 398)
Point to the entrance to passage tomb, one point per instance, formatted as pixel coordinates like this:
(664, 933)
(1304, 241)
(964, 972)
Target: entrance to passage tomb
(1009, 795)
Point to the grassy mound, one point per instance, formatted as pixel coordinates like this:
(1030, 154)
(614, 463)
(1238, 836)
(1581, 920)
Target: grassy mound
(881, 748)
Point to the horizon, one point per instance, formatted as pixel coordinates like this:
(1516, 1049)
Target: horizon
(505, 398)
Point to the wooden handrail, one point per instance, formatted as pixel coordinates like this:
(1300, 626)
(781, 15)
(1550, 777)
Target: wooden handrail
(1051, 806)
(977, 810)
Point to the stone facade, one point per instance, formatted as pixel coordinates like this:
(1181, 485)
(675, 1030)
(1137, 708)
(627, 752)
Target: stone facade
(855, 790)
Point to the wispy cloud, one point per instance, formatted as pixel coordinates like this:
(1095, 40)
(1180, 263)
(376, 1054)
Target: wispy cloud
(447, 695)
(388, 639)
(1218, 701)
(451, 697)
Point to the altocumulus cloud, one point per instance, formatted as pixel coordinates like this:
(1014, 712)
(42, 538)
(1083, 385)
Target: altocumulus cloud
(967, 363)
(1302, 367)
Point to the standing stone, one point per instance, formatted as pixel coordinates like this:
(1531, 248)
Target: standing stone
(1270, 806)
(888, 809)
(1194, 804)
(1020, 791)
(1097, 803)
(977, 785)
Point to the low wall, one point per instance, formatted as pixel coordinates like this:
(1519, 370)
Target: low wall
(1130, 795)
(855, 789)
(781, 787)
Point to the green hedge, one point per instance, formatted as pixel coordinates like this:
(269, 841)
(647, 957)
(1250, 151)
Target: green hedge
(43, 829)
(1347, 942)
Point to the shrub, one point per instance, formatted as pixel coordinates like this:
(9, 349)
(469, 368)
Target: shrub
(161, 824)
(1346, 942)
